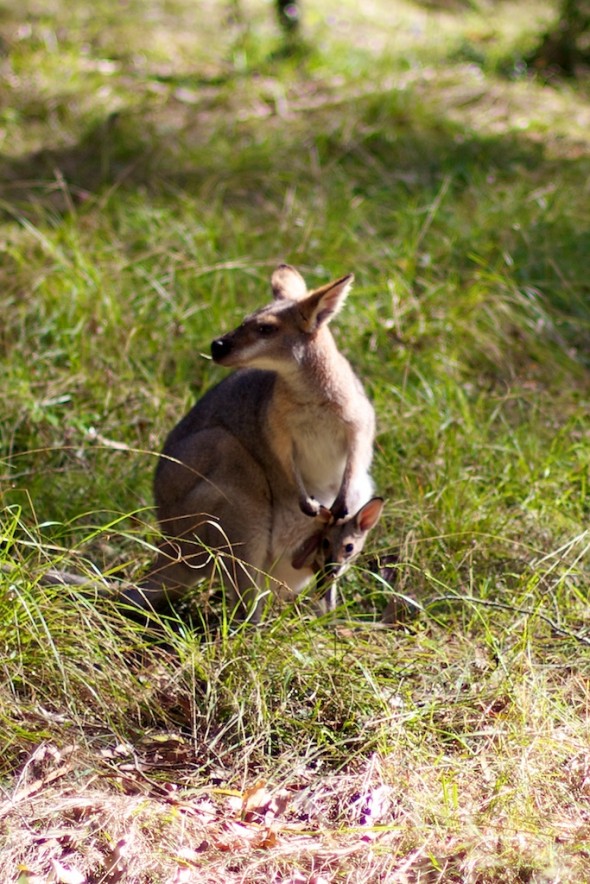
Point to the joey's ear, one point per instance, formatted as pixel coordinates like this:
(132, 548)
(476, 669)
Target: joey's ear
(287, 283)
(325, 515)
(369, 514)
(306, 550)
(322, 304)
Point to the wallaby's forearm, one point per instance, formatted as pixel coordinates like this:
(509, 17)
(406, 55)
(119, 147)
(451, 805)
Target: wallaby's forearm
(356, 468)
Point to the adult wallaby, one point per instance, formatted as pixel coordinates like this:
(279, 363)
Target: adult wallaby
(329, 550)
(290, 430)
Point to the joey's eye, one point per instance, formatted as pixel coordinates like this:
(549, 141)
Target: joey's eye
(325, 544)
(265, 329)
(349, 548)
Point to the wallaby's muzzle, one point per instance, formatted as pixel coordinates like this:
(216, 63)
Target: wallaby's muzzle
(220, 348)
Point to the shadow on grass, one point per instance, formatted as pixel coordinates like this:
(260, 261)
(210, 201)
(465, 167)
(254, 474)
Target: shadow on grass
(398, 154)
(127, 150)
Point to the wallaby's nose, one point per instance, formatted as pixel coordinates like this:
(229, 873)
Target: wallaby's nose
(220, 347)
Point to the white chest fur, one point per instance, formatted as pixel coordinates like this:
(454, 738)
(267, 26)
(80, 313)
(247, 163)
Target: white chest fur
(320, 455)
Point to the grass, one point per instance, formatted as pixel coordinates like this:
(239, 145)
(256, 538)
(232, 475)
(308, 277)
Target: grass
(157, 161)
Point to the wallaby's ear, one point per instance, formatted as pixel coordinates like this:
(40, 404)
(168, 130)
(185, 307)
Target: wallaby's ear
(306, 550)
(369, 514)
(287, 283)
(322, 304)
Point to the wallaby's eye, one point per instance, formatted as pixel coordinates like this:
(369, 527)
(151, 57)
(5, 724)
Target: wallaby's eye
(265, 329)
(349, 548)
(325, 544)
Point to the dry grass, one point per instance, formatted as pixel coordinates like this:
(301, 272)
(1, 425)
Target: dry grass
(489, 786)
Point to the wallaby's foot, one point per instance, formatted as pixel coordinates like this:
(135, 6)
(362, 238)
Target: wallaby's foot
(309, 506)
(143, 598)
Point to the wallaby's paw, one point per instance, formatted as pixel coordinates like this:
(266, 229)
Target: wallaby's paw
(309, 506)
(339, 510)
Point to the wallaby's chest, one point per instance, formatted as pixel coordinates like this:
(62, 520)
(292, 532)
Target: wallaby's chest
(320, 451)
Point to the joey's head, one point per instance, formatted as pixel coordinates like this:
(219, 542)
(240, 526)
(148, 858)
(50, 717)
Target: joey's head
(333, 546)
(276, 336)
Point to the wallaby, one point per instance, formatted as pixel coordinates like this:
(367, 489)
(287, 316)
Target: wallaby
(290, 430)
(333, 546)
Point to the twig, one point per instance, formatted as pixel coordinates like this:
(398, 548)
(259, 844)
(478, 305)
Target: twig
(504, 606)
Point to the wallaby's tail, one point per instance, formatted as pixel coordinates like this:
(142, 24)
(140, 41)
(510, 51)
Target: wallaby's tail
(56, 577)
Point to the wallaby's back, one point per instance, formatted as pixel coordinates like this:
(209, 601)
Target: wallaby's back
(238, 405)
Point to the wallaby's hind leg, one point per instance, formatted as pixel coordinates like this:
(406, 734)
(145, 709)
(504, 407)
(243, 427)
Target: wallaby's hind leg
(223, 523)
(178, 566)
(201, 553)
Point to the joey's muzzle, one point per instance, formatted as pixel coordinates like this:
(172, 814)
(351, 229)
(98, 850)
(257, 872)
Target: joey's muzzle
(327, 575)
(220, 348)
